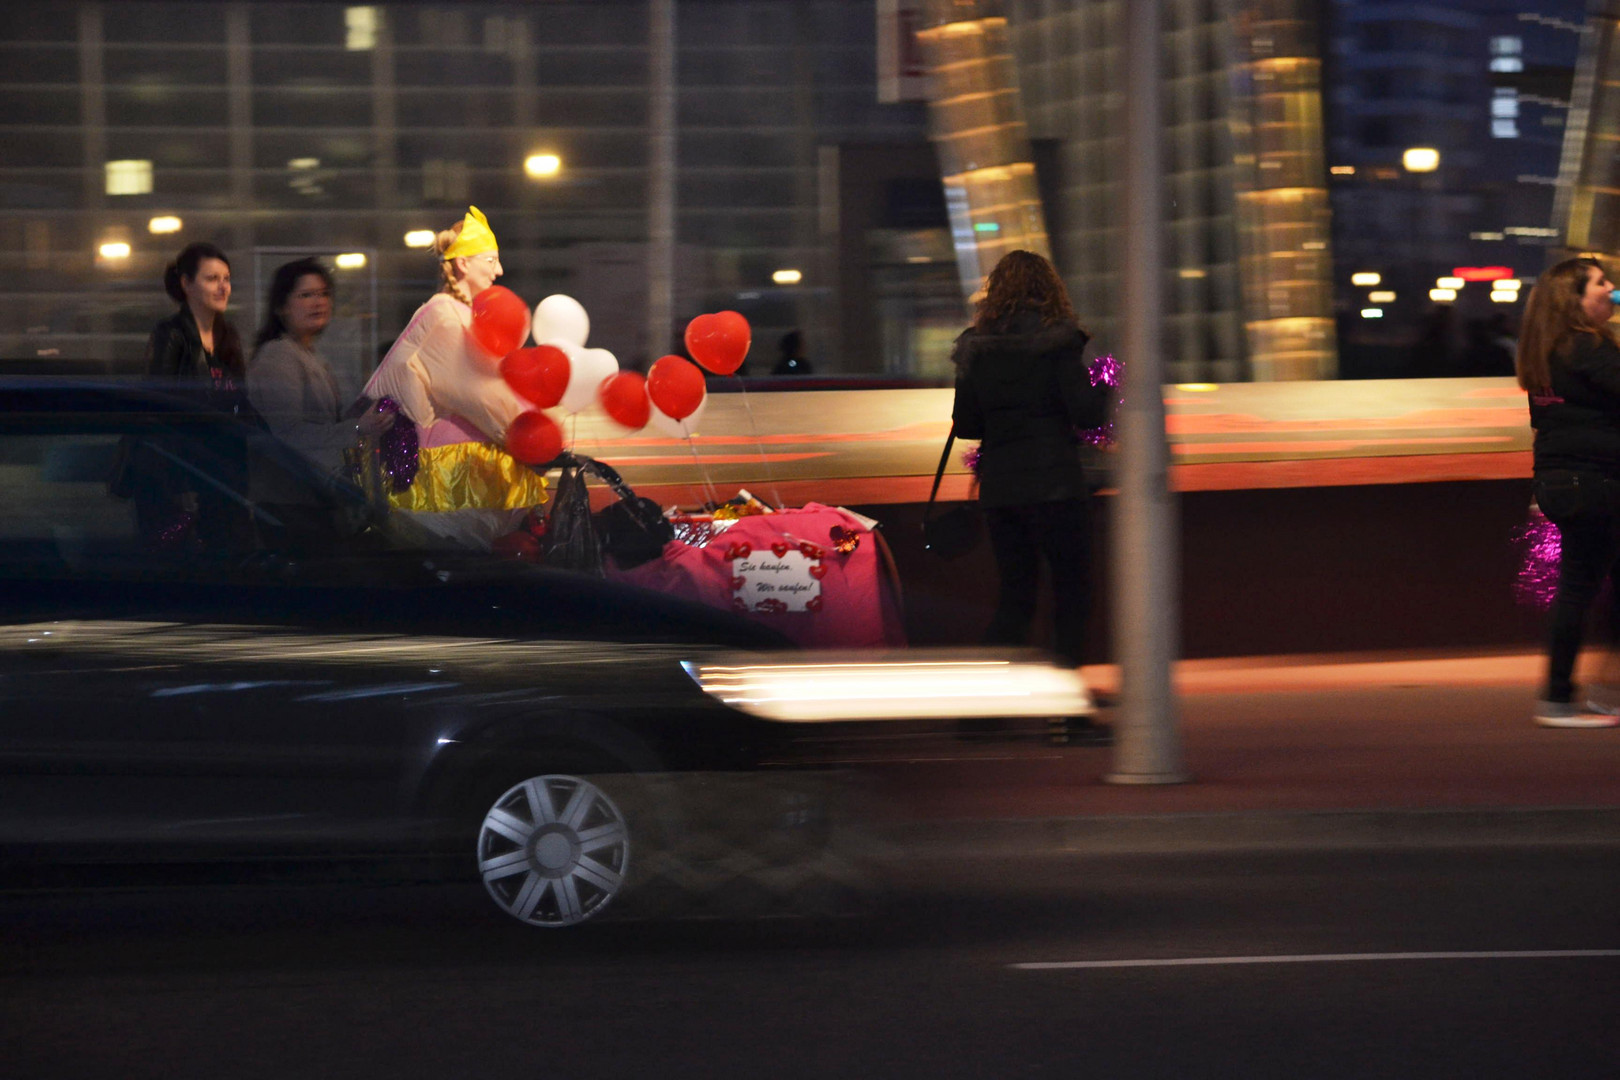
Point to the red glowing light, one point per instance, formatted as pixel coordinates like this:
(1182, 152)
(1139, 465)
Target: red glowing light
(1483, 273)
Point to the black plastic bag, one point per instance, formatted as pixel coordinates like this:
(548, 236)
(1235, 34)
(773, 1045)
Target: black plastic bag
(571, 542)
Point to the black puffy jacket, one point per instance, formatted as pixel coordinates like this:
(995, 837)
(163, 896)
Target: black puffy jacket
(1022, 389)
(1578, 424)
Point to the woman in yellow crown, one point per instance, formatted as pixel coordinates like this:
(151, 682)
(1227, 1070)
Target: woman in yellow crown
(465, 484)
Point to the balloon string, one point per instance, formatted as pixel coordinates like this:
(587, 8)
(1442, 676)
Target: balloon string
(710, 492)
(765, 463)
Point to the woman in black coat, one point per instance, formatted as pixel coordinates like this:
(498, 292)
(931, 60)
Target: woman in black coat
(1023, 390)
(1569, 364)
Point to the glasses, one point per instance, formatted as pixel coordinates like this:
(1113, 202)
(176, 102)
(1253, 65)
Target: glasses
(489, 259)
(313, 294)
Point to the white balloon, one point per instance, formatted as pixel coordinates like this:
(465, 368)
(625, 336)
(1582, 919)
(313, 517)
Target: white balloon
(662, 422)
(586, 370)
(561, 318)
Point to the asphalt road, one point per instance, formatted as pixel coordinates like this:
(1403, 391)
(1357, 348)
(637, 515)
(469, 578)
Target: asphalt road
(1312, 965)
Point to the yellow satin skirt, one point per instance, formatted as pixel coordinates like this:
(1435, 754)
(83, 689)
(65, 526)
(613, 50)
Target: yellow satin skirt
(470, 476)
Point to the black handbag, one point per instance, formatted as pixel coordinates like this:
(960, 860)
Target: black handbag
(955, 532)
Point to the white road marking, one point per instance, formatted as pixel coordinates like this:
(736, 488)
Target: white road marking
(1315, 958)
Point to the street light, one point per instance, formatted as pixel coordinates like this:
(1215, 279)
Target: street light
(540, 166)
(1421, 159)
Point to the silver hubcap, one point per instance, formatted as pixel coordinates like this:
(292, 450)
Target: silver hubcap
(553, 850)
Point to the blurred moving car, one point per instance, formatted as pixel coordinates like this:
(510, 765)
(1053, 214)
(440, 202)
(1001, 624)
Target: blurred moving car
(313, 676)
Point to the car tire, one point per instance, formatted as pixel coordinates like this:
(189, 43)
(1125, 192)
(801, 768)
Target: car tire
(555, 849)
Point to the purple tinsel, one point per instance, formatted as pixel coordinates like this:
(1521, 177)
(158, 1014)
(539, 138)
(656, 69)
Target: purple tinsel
(398, 447)
(970, 458)
(1539, 548)
(1104, 371)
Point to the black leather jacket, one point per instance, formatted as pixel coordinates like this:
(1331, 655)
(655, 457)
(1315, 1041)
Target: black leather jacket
(1023, 391)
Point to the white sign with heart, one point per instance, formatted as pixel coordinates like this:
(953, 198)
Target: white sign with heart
(772, 581)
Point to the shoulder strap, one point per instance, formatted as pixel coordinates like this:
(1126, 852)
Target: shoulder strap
(939, 473)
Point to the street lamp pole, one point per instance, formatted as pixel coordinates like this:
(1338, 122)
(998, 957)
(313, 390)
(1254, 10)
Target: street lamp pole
(1146, 621)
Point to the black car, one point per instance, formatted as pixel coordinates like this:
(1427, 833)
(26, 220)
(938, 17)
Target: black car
(312, 675)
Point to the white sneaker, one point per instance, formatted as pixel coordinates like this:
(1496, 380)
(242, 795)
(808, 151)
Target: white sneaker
(1566, 714)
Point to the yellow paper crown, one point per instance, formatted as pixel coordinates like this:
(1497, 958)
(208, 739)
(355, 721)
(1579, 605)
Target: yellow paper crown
(475, 237)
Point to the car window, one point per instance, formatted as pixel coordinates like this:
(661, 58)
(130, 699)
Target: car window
(59, 506)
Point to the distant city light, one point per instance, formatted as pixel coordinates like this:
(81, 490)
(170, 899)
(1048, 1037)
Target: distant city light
(1487, 236)
(1372, 313)
(787, 277)
(1381, 297)
(1198, 387)
(133, 177)
(1511, 284)
(1482, 273)
(350, 260)
(986, 226)
(1452, 283)
(1421, 159)
(167, 224)
(1442, 296)
(539, 165)
(1529, 230)
(1505, 296)
(1343, 170)
(299, 163)
(361, 26)
(1192, 273)
(1366, 278)
(114, 249)
(419, 238)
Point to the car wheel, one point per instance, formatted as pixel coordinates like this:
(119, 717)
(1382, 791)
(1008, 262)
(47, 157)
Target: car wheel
(554, 850)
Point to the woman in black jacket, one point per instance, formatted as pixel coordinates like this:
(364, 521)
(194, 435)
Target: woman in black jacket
(1569, 363)
(198, 343)
(1023, 390)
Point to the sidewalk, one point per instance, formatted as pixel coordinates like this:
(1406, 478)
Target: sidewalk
(1293, 752)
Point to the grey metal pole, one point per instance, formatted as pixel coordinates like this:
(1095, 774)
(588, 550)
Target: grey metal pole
(660, 176)
(1147, 747)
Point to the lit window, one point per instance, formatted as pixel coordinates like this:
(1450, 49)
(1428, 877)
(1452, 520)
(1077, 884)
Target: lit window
(1505, 102)
(787, 277)
(129, 177)
(350, 260)
(419, 238)
(1507, 46)
(1504, 129)
(1372, 313)
(1507, 64)
(361, 24)
(1442, 296)
(539, 165)
(114, 249)
(1365, 278)
(1381, 296)
(166, 224)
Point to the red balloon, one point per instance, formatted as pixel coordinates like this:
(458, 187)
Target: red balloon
(719, 342)
(534, 438)
(624, 396)
(675, 386)
(500, 320)
(539, 375)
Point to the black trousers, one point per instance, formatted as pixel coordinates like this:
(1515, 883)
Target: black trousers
(1020, 536)
(1586, 508)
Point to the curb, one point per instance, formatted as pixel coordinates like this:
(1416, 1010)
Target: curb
(1285, 831)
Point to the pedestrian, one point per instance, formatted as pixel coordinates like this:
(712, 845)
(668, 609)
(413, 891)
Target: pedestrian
(291, 384)
(198, 344)
(1569, 363)
(195, 350)
(1023, 390)
(465, 487)
(792, 360)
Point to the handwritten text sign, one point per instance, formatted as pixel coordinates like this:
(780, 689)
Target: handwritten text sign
(766, 581)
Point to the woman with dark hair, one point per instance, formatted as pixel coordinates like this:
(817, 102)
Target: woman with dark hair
(198, 343)
(1569, 363)
(291, 385)
(1023, 390)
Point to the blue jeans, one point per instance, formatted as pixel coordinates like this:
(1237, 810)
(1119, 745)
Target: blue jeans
(1586, 508)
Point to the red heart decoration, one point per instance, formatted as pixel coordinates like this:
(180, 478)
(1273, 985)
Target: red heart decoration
(737, 583)
(719, 342)
(818, 571)
(781, 548)
(810, 551)
(813, 604)
(739, 551)
(737, 604)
